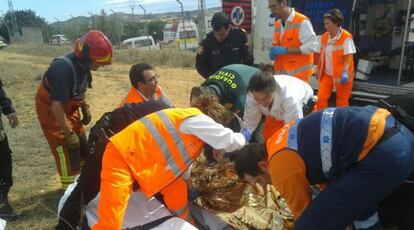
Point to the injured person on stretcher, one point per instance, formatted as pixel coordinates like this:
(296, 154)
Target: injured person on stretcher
(149, 214)
(223, 202)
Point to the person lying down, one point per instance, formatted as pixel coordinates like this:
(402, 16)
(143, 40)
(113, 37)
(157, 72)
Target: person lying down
(149, 214)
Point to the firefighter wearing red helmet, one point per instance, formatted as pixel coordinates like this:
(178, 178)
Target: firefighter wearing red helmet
(60, 96)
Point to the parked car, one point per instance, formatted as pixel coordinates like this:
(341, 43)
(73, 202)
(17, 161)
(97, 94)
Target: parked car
(58, 39)
(141, 43)
(2, 42)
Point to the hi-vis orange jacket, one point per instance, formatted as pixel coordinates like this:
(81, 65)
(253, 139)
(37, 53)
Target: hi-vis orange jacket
(134, 97)
(338, 56)
(298, 65)
(155, 151)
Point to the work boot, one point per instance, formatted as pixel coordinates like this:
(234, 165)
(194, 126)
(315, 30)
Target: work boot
(6, 211)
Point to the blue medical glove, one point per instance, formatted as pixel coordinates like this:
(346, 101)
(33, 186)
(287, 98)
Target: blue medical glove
(277, 50)
(344, 77)
(247, 134)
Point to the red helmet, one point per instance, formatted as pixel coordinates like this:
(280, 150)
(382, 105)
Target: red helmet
(98, 48)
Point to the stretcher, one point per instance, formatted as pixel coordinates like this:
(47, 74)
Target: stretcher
(140, 211)
(150, 214)
(224, 202)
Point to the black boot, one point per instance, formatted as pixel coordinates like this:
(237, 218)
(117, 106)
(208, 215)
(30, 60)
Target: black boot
(6, 211)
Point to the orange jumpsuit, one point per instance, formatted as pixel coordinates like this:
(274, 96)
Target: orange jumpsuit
(68, 165)
(338, 60)
(154, 153)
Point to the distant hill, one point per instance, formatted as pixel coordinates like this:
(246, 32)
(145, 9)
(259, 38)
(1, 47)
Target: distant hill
(127, 17)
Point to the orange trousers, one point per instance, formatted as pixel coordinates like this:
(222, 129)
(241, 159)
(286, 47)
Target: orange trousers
(116, 187)
(343, 92)
(271, 126)
(68, 164)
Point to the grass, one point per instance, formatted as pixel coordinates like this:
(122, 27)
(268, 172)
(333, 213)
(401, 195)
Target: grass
(172, 57)
(36, 189)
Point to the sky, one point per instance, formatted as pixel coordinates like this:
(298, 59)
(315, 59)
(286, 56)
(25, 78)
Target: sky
(61, 10)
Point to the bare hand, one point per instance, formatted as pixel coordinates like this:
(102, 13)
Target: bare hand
(13, 121)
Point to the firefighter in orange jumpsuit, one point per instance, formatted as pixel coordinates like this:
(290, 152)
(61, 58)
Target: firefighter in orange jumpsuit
(61, 94)
(155, 151)
(294, 41)
(144, 82)
(336, 65)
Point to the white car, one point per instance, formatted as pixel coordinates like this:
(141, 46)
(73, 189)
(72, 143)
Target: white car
(58, 39)
(141, 43)
(2, 42)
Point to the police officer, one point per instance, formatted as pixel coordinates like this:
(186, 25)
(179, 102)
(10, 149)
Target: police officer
(6, 181)
(221, 47)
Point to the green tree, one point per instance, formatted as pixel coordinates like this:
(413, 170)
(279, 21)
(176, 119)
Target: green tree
(155, 29)
(133, 29)
(27, 18)
(110, 26)
(136, 29)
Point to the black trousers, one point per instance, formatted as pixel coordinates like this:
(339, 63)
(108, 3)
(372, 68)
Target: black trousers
(397, 209)
(89, 184)
(6, 180)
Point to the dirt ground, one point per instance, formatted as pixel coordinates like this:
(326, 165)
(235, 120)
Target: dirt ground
(36, 184)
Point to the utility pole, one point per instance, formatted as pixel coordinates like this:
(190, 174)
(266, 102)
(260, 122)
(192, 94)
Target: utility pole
(146, 24)
(182, 20)
(15, 28)
(117, 28)
(132, 6)
(93, 20)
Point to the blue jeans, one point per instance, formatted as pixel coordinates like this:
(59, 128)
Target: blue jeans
(360, 188)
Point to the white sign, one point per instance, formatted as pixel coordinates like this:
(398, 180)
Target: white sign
(237, 15)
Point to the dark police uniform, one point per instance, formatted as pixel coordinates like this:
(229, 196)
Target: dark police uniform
(213, 55)
(6, 180)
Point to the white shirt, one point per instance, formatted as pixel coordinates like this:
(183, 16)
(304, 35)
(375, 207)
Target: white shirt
(348, 46)
(212, 133)
(307, 35)
(288, 100)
